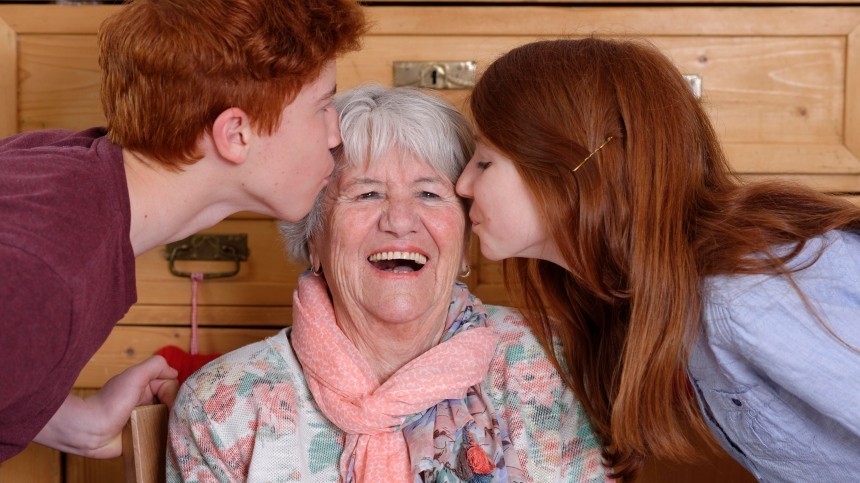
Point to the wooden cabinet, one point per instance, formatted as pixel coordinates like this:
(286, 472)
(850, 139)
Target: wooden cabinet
(780, 82)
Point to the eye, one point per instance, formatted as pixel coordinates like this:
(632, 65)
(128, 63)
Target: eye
(429, 195)
(482, 165)
(370, 195)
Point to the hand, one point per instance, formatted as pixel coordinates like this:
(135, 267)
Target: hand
(92, 427)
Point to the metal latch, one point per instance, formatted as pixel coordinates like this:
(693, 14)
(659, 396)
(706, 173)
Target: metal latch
(436, 75)
(695, 83)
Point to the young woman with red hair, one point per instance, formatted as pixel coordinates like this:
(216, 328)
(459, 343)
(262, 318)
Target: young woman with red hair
(684, 298)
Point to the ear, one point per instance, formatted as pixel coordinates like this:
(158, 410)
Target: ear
(314, 257)
(467, 248)
(231, 134)
(465, 268)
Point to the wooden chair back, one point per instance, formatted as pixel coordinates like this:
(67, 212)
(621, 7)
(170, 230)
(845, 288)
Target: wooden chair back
(144, 444)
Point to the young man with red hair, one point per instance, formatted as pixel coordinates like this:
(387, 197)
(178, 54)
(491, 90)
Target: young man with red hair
(212, 108)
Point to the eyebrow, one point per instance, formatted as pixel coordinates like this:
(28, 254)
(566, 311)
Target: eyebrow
(328, 95)
(430, 179)
(372, 181)
(364, 181)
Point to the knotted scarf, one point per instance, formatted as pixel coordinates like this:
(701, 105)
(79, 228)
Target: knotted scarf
(429, 418)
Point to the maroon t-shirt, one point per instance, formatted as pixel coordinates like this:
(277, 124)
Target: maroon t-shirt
(66, 269)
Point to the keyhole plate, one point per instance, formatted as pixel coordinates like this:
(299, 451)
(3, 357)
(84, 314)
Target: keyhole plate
(458, 74)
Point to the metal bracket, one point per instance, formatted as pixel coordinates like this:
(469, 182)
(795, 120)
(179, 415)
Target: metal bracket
(436, 75)
(695, 83)
(209, 247)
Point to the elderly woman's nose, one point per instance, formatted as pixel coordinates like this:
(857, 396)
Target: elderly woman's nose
(399, 217)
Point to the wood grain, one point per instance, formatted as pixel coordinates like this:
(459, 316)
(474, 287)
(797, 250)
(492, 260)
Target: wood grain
(144, 444)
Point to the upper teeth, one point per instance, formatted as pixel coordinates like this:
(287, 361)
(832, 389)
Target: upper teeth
(415, 257)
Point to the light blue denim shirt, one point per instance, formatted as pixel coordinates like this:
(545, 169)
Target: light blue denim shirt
(779, 391)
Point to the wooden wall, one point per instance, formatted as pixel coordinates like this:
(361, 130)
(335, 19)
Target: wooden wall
(781, 84)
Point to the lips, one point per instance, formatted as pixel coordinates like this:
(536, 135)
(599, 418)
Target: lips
(398, 261)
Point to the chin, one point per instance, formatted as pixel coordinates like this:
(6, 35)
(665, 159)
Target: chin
(491, 254)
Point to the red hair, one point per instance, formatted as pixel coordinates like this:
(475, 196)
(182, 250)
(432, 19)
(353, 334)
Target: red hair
(639, 225)
(170, 67)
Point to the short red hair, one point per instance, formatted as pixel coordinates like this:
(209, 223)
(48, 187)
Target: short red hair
(170, 67)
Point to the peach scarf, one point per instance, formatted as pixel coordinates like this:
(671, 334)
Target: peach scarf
(373, 415)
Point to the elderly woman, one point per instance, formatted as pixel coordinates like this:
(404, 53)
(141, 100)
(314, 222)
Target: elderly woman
(392, 370)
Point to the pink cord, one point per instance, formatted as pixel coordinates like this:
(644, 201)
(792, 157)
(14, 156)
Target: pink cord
(196, 278)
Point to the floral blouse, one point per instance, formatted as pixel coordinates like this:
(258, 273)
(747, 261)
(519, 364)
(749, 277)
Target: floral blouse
(249, 416)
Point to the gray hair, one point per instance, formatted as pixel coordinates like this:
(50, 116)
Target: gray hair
(374, 120)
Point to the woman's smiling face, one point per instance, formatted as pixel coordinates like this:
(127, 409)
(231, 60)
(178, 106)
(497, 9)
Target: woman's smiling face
(394, 239)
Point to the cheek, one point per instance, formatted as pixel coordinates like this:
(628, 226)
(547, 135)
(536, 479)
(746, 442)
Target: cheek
(448, 232)
(343, 235)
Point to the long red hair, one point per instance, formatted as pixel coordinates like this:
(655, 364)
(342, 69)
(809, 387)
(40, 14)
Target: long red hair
(639, 225)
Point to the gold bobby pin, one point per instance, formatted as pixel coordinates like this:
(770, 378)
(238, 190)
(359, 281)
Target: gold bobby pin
(592, 154)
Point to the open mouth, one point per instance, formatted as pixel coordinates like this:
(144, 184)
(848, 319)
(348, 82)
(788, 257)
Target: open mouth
(398, 262)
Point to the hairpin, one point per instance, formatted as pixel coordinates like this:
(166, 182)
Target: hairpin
(592, 154)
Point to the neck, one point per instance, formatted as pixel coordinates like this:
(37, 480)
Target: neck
(386, 346)
(169, 205)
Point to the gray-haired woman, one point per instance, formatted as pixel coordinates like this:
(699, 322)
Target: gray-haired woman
(391, 371)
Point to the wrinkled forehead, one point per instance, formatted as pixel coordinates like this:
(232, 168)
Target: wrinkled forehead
(393, 164)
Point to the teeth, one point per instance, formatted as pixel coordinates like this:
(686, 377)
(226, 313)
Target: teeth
(415, 257)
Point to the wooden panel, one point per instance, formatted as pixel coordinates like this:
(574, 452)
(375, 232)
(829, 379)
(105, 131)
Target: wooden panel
(8, 81)
(129, 345)
(59, 86)
(639, 21)
(776, 102)
(56, 19)
(852, 92)
(144, 444)
(87, 470)
(36, 464)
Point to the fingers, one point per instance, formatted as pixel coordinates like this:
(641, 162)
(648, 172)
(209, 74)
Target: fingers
(138, 384)
(165, 391)
(157, 368)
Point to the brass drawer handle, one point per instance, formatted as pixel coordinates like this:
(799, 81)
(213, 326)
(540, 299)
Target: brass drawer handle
(208, 247)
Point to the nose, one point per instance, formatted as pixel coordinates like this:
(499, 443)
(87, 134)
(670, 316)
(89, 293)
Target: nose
(464, 183)
(399, 218)
(334, 138)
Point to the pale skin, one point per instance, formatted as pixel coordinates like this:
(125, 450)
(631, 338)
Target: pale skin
(504, 212)
(399, 204)
(276, 174)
